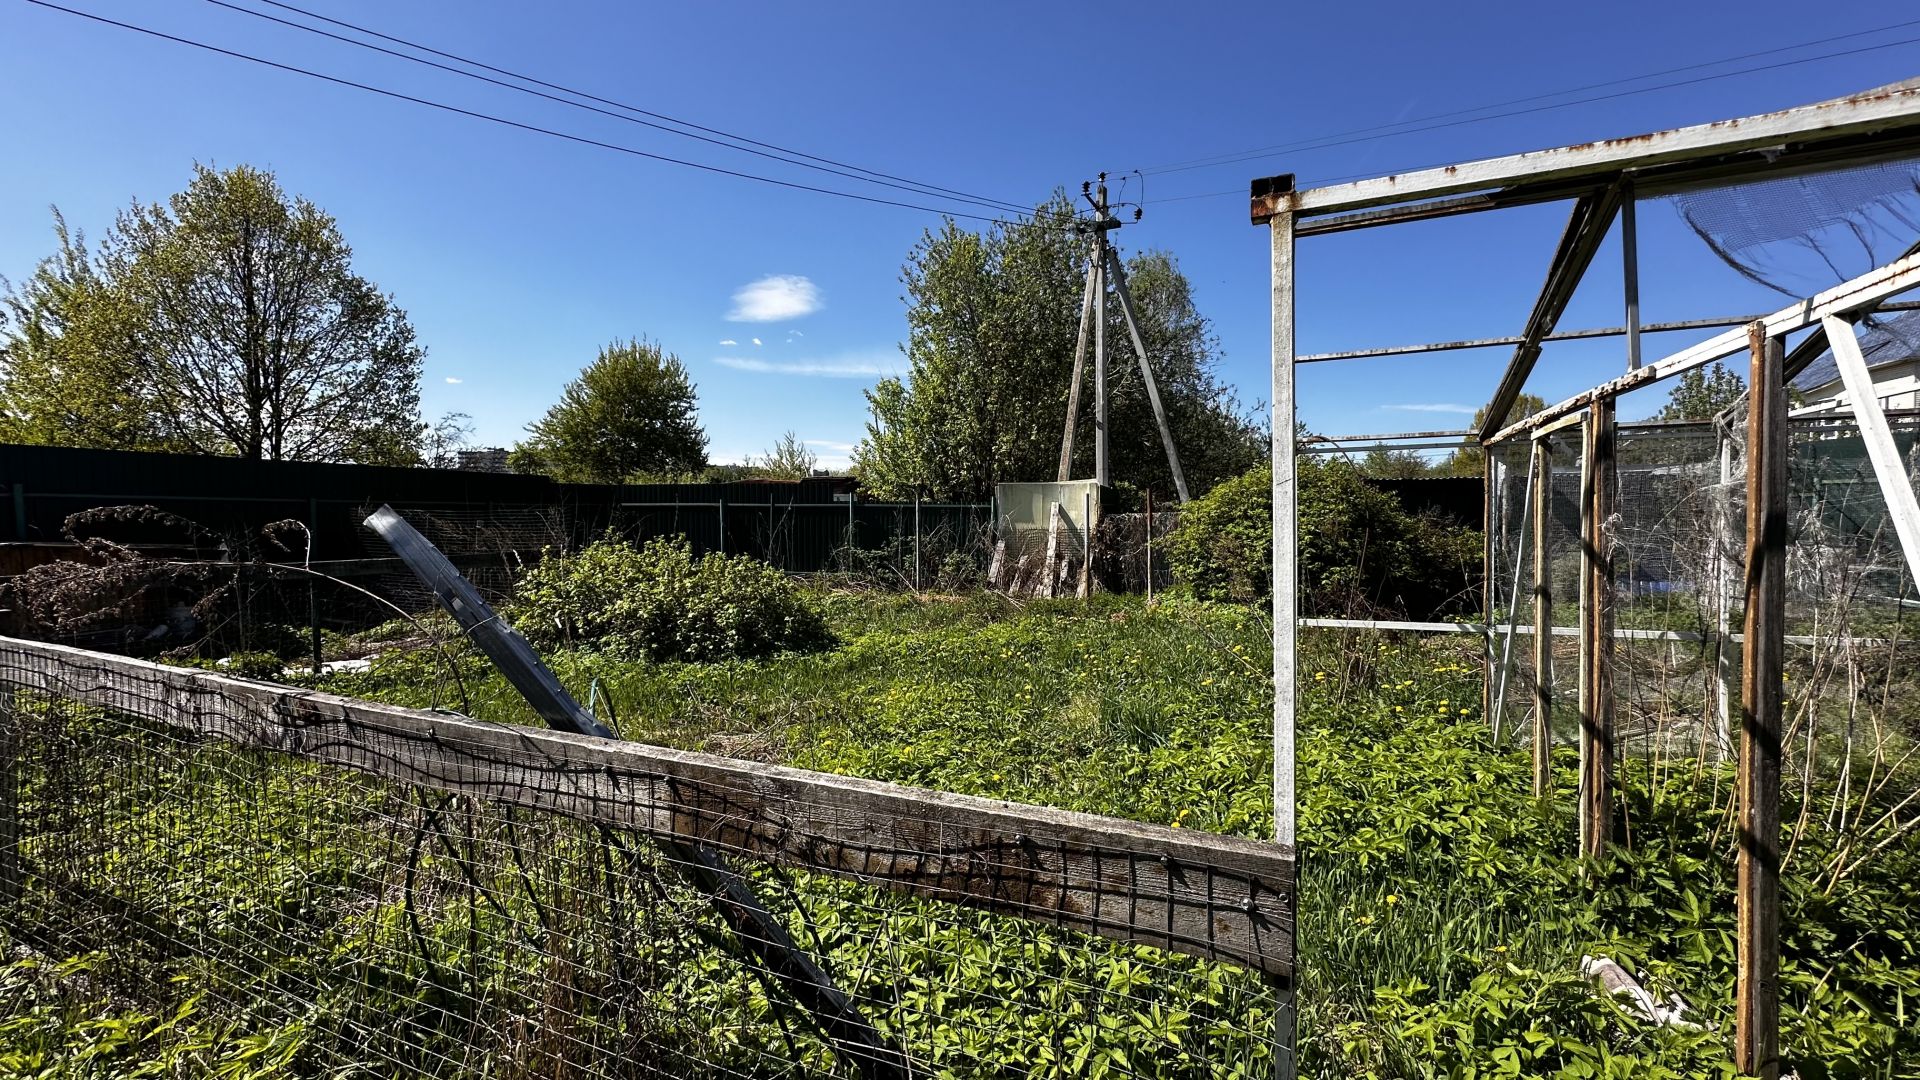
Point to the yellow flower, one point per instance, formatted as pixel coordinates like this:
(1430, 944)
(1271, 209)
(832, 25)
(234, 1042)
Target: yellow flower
(1392, 899)
(1363, 919)
(1463, 712)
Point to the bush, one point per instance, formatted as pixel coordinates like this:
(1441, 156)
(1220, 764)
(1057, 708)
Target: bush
(658, 602)
(1223, 547)
(1359, 549)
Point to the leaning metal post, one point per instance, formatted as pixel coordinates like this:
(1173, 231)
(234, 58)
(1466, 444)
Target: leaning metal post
(763, 936)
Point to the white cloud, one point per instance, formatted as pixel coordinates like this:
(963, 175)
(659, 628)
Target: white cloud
(756, 341)
(451, 381)
(852, 366)
(729, 341)
(791, 334)
(1466, 410)
(843, 447)
(775, 299)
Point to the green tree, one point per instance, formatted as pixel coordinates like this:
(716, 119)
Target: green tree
(67, 370)
(1394, 464)
(1701, 394)
(1470, 460)
(228, 321)
(789, 459)
(992, 318)
(631, 412)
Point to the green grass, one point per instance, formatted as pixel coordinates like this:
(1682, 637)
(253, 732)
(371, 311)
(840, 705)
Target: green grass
(1443, 913)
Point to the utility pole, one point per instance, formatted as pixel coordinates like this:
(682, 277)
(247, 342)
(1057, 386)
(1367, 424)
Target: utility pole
(1102, 222)
(1102, 261)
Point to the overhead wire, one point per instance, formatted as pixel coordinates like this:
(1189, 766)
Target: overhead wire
(1373, 135)
(724, 139)
(534, 128)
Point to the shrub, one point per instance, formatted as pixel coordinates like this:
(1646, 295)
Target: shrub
(1223, 547)
(658, 602)
(1359, 549)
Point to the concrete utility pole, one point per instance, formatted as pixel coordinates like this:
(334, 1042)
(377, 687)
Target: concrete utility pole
(1104, 260)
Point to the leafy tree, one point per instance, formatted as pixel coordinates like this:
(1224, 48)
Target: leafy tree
(67, 370)
(228, 321)
(992, 318)
(1702, 393)
(441, 445)
(631, 412)
(1395, 464)
(788, 460)
(1470, 460)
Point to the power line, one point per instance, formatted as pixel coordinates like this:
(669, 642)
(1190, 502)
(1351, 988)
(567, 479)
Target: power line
(1385, 131)
(825, 164)
(535, 128)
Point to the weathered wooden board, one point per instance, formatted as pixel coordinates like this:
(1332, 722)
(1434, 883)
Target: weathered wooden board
(1220, 897)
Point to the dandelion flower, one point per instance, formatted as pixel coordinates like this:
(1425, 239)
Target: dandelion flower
(1392, 899)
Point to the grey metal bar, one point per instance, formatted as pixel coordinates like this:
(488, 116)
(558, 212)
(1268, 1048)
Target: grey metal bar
(1630, 272)
(763, 936)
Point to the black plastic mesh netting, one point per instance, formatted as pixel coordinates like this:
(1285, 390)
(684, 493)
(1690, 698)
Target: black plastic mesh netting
(1800, 234)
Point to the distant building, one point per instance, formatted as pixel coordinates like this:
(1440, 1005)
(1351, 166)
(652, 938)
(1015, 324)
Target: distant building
(493, 459)
(1891, 348)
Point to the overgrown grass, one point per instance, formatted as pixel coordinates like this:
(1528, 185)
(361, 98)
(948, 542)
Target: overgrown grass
(1443, 910)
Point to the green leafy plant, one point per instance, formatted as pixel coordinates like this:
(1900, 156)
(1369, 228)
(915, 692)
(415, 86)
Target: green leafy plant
(658, 602)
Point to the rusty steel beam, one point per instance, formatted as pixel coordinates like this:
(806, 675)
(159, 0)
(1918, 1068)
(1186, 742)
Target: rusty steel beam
(1807, 127)
(1862, 293)
(1587, 226)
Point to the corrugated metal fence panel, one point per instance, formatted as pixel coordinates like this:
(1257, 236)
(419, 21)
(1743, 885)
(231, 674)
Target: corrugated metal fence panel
(794, 525)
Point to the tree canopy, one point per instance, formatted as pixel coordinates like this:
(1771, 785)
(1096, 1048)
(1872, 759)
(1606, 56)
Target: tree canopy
(227, 321)
(1470, 460)
(1701, 394)
(788, 459)
(631, 412)
(992, 318)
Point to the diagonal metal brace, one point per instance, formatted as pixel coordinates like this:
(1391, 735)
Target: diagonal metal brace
(705, 868)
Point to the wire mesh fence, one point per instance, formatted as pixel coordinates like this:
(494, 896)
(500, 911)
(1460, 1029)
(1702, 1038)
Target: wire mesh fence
(367, 890)
(1676, 541)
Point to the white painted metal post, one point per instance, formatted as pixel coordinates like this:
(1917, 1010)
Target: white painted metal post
(1513, 605)
(1286, 607)
(1887, 464)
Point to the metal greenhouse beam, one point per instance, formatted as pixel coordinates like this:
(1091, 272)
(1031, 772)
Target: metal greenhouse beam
(1870, 112)
(1888, 464)
(1587, 226)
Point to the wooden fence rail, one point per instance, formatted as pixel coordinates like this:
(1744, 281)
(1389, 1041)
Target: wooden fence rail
(1219, 897)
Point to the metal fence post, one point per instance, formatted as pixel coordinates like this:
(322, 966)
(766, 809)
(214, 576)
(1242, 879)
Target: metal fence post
(916, 540)
(313, 597)
(722, 508)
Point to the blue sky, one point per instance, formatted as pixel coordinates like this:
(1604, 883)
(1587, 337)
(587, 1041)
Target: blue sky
(517, 255)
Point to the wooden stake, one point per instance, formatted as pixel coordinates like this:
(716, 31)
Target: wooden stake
(1757, 914)
(1542, 619)
(1596, 637)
